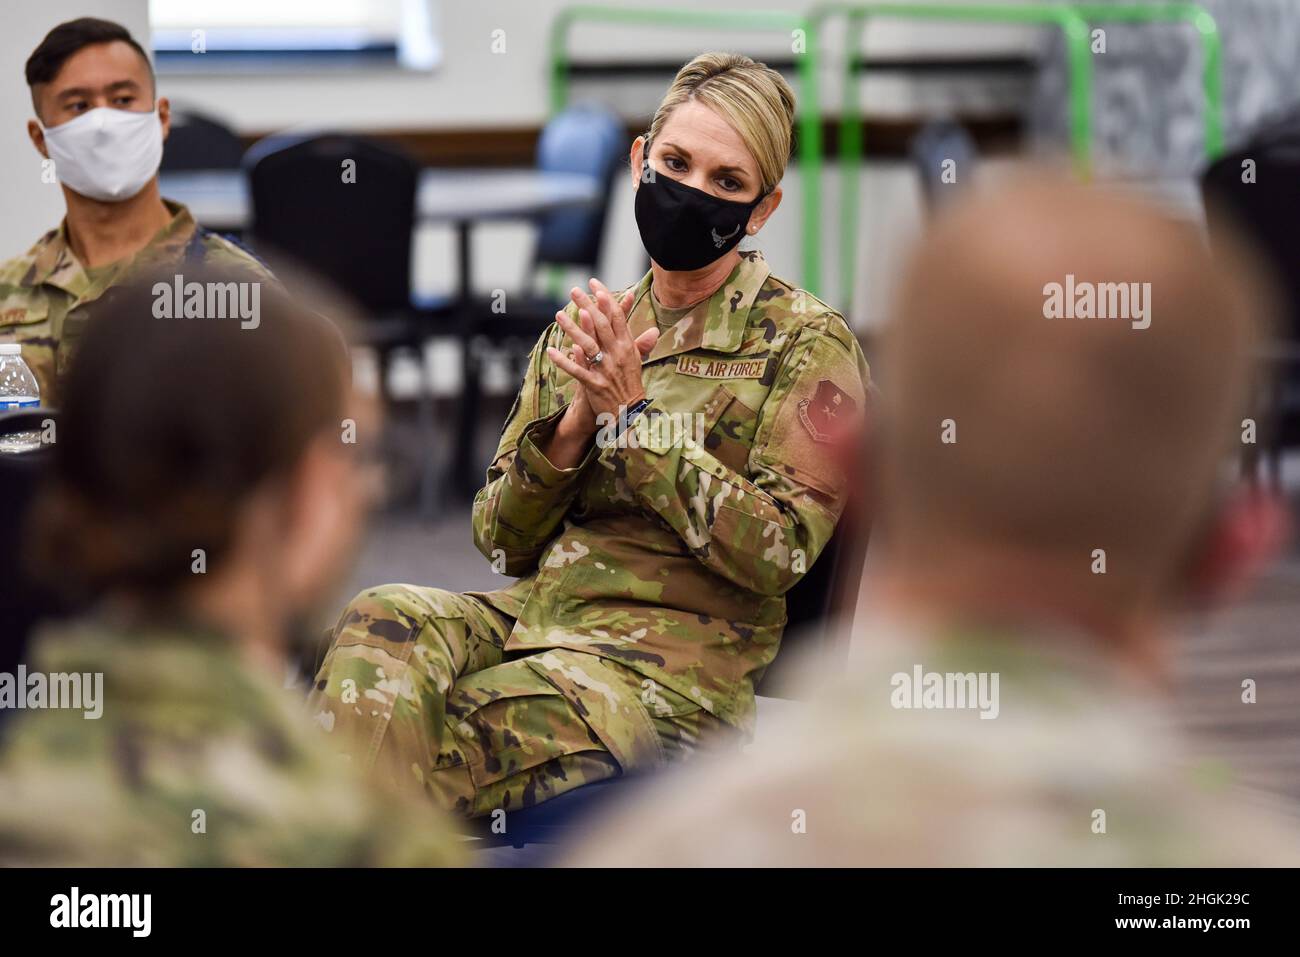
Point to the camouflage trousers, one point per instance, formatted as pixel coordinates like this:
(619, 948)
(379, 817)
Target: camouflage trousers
(417, 686)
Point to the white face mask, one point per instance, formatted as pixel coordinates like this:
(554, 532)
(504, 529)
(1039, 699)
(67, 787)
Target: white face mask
(106, 154)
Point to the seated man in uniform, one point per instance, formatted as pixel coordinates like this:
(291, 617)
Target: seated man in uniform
(100, 127)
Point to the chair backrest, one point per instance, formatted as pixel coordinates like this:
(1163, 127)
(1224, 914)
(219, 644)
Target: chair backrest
(938, 143)
(1265, 205)
(22, 601)
(199, 142)
(343, 206)
(583, 139)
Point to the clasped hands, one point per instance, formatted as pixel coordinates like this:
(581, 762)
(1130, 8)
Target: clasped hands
(604, 387)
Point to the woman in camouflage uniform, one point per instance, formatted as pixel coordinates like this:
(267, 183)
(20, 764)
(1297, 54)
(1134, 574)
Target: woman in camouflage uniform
(663, 479)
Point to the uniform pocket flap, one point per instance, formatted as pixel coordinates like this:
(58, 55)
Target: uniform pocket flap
(23, 310)
(608, 702)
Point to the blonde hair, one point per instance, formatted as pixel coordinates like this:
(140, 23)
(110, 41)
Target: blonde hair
(749, 95)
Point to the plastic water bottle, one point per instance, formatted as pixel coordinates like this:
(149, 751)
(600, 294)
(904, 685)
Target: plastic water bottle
(18, 390)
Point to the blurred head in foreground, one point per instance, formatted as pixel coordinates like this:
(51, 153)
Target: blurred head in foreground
(1061, 386)
(1067, 382)
(207, 487)
(206, 469)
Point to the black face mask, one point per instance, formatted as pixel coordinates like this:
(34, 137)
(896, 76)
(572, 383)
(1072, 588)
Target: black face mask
(683, 228)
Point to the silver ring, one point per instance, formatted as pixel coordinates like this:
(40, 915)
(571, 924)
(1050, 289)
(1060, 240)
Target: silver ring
(597, 359)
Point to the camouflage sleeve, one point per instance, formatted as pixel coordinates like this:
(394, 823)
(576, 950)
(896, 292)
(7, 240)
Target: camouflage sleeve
(763, 529)
(517, 512)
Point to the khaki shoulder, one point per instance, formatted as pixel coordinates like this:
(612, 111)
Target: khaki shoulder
(14, 271)
(791, 307)
(799, 314)
(221, 251)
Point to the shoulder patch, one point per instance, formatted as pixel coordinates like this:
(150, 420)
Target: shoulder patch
(828, 414)
(816, 426)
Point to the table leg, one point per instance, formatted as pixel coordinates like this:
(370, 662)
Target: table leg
(463, 467)
(428, 465)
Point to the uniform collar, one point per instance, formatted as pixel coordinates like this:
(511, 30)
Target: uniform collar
(164, 661)
(56, 265)
(717, 323)
(1047, 651)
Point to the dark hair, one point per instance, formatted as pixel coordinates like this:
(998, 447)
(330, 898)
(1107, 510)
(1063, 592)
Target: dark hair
(169, 424)
(67, 38)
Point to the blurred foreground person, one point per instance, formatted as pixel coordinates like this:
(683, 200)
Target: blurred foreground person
(205, 491)
(1052, 496)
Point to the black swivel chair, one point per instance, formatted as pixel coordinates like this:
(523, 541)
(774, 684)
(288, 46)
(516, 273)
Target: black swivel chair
(199, 142)
(345, 208)
(1265, 207)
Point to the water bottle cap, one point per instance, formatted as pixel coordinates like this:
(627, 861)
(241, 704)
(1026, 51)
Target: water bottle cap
(10, 349)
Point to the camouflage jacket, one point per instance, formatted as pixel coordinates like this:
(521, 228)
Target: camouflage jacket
(672, 555)
(196, 759)
(1014, 748)
(43, 292)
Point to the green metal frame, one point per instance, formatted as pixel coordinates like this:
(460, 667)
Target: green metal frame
(809, 138)
(1079, 60)
(1211, 50)
(1074, 20)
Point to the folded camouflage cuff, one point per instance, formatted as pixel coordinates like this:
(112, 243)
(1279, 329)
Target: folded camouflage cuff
(535, 493)
(536, 465)
(517, 512)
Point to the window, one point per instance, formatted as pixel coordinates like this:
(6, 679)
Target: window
(259, 36)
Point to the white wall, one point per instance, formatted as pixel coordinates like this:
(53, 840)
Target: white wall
(474, 87)
(29, 207)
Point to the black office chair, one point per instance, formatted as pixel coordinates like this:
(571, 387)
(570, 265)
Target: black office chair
(23, 602)
(1266, 208)
(199, 142)
(358, 234)
(345, 208)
